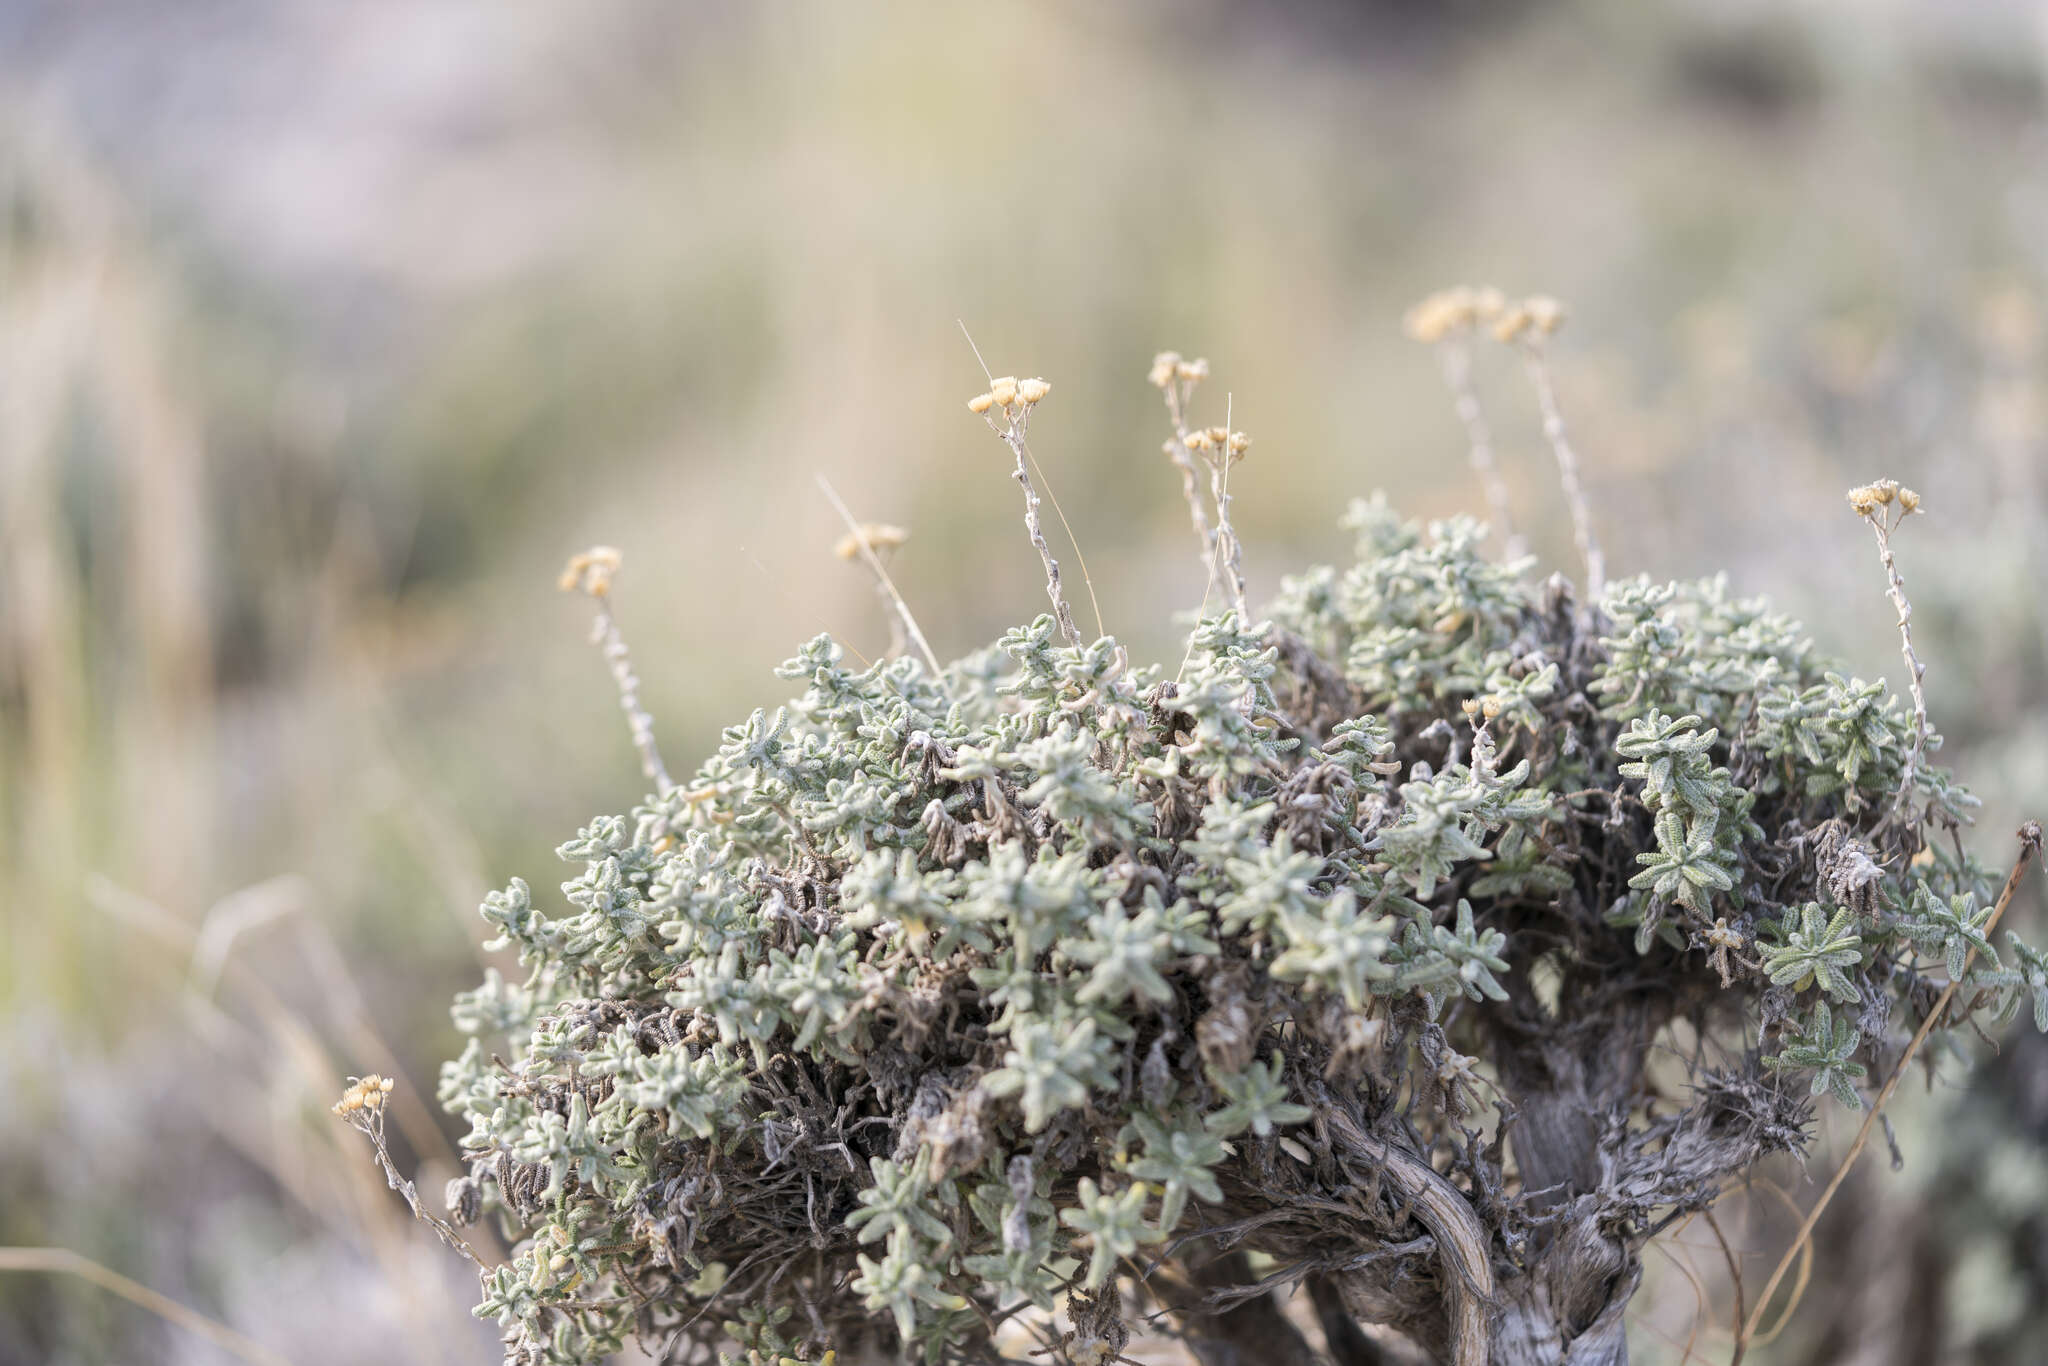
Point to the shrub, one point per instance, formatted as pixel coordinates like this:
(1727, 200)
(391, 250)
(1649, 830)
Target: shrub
(946, 1004)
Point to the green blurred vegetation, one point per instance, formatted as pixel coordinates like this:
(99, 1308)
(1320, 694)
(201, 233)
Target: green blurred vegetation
(324, 346)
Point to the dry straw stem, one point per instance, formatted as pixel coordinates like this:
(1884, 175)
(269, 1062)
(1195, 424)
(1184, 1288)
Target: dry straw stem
(864, 539)
(61, 1261)
(1885, 505)
(1446, 320)
(591, 573)
(2030, 845)
(1528, 324)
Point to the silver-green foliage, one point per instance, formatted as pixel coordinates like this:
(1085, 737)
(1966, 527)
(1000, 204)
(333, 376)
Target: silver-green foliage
(927, 996)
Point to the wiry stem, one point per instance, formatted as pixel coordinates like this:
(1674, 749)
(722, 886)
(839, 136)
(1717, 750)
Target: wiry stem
(1567, 471)
(1013, 436)
(1177, 394)
(1915, 670)
(591, 573)
(905, 623)
(2030, 845)
(1229, 550)
(605, 634)
(1455, 355)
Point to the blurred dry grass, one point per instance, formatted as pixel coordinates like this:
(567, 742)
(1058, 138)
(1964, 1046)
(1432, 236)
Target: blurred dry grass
(322, 345)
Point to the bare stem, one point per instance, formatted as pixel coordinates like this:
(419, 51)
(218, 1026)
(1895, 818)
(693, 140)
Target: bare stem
(1177, 394)
(605, 634)
(591, 573)
(369, 1122)
(1013, 436)
(1567, 471)
(1455, 354)
(874, 561)
(1229, 552)
(2030, 845)
(1915, 670)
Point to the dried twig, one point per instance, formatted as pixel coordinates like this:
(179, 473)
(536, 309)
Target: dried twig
(2030, 845)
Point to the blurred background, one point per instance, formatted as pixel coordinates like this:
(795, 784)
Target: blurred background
(328, 332)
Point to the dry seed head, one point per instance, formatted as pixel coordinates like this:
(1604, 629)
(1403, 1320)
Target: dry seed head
(1003, 391)
(1432, 319)
(1032, 390)
(981, 403)
(1239, 443)
(1909, 501)
(1884, 490)
(1863, 498)
(1192, 370)
(879, 536)
(1164, 366)
(1546, 314)
(590, 571)
(1200, 441)
(1512, 323)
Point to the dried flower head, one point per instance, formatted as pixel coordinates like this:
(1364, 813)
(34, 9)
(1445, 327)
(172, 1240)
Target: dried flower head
(1192, 371)
(981, 403)
(1513, 322)
(1164, 366)
(1030, 391)
(879, 536)
(1546, 314)
(590, 571)
(1434, 318)
(368, 1093)
(1003, 391)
